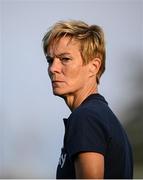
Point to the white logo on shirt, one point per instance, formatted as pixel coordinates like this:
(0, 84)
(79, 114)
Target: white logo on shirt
(62, 160)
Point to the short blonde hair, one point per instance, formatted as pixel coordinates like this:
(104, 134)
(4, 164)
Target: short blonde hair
(91, 39)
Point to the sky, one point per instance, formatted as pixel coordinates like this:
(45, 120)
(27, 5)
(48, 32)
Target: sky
(31, 116)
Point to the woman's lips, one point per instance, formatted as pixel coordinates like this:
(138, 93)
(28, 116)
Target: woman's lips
(56, 83)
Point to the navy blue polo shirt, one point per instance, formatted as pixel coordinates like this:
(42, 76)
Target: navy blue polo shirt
(93, 127)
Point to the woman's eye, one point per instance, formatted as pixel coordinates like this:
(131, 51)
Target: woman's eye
(64, 59)
(49, 59)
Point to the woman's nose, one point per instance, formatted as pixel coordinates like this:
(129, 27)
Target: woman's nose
(55, 66)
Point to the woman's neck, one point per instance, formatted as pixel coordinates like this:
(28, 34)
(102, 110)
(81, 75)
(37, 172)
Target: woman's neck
(75, 99)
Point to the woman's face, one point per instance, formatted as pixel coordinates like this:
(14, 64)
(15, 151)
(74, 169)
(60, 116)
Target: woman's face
(66, 70)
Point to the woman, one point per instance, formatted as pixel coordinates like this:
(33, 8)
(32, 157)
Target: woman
(95, 144)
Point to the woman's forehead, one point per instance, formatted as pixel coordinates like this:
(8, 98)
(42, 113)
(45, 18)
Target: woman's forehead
(63, 44)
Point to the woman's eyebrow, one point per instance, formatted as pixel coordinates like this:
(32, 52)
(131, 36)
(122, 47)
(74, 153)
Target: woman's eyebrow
(58, 55)
(63, 54)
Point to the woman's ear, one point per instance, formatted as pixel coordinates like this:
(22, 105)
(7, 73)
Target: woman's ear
(94, 66)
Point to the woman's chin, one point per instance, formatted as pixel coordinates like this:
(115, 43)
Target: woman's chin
(57, 92)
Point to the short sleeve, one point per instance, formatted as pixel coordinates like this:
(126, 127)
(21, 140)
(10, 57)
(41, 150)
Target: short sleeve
(85, 133)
